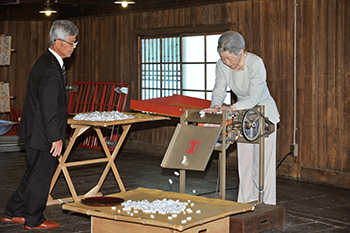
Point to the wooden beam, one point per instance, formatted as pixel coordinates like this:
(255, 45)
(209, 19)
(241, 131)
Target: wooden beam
(70, 2)
(13, 9)
(183, 30)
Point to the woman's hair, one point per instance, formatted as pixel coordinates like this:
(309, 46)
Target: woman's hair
(62, 29)
(231, 42)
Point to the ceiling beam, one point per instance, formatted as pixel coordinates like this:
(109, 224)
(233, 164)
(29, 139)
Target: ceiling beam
(68, 9)
(70, 2)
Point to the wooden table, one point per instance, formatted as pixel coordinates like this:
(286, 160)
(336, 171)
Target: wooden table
(214, 215)
(80, 127)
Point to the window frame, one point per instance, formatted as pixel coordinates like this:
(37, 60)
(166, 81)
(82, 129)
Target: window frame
(178, 32)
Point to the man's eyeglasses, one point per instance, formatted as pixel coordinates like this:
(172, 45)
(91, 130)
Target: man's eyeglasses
(72, 44)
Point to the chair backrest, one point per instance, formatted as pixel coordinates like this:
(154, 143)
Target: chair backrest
(97, 96)
(15, 116)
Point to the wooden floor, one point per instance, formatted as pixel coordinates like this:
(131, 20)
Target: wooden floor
(309, 207)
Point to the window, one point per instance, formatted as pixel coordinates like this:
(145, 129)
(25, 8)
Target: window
(183, 65)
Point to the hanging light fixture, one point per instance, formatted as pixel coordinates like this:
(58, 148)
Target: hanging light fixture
(124, 3)
(48, 10)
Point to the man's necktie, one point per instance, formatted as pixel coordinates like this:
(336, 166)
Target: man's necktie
(64, 75)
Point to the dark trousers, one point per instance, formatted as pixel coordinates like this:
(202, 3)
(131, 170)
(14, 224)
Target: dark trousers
(29, 199)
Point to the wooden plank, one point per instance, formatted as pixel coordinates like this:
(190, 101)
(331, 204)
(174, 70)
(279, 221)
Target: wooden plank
(340, 92)
(25, 60)
(181, 17)
(132, 66)
(339, 87)
(283, 81)
(192, 16)
(124, 39)
(302, 99)
(252, 39)
(111, 45)
(176, 17)
(187, 17)
(321, 69)
(34, 39)
(331, 111)
(198, 11)
(273, 52)
(154, 20)
(144, 20)
(108, 50)
(205, 15)
(249, 22)
(261, 36)
(223, 13)
(103, 54)
(310, 60)
(240, 19)
(165, 19)
(160, 15)
(313, 71)
(117, 48)
(345, 161)
(295, 24)
(227, 13)
(81, 55)
(87, 73)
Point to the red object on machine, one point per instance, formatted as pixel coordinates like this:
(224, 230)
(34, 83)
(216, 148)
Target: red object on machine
(97, 96)
(174, 105)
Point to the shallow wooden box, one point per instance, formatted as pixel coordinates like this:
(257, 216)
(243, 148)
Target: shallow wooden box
(263, 218)
(103, 225)
(213, 215)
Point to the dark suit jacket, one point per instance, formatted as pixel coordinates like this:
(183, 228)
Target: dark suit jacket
(45, 111)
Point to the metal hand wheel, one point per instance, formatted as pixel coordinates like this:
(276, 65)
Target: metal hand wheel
(250, 124)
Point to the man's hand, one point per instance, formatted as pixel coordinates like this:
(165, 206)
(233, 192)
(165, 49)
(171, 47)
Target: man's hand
(56, 148)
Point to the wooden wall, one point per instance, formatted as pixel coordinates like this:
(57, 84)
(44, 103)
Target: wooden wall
(323, 74)
(107, 51)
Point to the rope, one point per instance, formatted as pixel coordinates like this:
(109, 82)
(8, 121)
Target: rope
(260, 191)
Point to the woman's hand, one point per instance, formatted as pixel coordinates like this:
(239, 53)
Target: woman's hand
(227, 108)
(214, 109)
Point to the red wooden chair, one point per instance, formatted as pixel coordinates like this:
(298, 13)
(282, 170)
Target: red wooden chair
(98, 96)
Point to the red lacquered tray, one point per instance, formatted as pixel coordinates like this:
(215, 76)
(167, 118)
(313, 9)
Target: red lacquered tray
(174, 105)
(102, 201)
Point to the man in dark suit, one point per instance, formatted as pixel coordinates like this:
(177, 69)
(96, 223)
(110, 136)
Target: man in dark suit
(42, 128)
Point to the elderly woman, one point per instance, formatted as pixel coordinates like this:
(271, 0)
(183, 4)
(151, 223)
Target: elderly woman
(244, 73)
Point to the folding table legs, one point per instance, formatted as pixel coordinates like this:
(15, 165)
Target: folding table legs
(79, 129)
